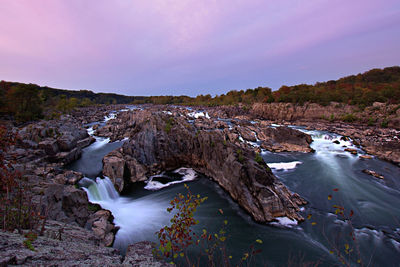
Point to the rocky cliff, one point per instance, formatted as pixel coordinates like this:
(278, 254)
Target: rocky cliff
(165, 141)
(376, 114)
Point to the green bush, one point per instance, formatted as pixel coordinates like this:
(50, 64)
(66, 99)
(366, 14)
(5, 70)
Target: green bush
(240, 155)
(258, 158)
(384, 123)
(349, 117)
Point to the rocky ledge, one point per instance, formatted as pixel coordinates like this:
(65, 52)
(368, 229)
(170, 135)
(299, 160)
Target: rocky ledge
(161, 141)
(66, 245)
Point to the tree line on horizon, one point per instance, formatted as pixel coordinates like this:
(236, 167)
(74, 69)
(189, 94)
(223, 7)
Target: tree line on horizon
(376, 85)
(26, 102)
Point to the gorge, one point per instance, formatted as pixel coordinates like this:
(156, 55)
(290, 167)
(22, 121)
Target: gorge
(157, 140)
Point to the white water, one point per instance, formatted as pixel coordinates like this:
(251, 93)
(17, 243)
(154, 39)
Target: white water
(110, 116)
(285, 222)
(198, 114)
(284, 165)
(188, 175)
(135, 217)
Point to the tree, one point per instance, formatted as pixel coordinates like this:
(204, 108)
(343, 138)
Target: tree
(24, 102)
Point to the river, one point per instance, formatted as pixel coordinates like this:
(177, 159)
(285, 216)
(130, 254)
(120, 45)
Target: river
(330, 171)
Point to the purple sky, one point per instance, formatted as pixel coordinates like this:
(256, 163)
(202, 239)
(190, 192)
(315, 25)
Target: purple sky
(159, 47)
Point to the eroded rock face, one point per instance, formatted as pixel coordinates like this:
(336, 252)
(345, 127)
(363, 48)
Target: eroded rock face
(164, 142)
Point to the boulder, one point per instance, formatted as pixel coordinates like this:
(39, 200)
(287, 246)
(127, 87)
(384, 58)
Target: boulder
(66, 204)
(103, 228)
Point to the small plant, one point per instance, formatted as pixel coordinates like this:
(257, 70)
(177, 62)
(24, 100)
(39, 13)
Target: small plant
(240, 155)
(384, 123)
(224, 142)
(176, 238)
(17, 211)
(93, 207)
(169, 124)
(332, 118)
(349, 117)
(371, 121)
(30, 237)
(258, 158)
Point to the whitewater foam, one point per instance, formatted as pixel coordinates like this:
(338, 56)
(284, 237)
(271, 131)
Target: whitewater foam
(285, 222)
(284, 165)
(188, 175)
(198, 114)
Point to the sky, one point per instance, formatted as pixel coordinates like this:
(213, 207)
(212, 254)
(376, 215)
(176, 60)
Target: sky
(191, 47)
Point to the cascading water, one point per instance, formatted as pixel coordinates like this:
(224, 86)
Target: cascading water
(138, 218)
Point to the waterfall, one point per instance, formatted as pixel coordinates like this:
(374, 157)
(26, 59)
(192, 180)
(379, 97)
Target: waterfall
(138, 218)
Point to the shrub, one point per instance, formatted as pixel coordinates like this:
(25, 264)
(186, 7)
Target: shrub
(258, 158)
(16, 208)
(169, 124)
(371, 121)
(384, 123)
(240, 155)
(349, 117)
(176, 238)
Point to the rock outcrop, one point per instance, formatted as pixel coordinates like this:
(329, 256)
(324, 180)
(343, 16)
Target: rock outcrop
(164, 142)
(56, 141)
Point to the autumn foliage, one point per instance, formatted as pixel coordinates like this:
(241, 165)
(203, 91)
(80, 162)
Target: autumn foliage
(17, 211)
(177, 238)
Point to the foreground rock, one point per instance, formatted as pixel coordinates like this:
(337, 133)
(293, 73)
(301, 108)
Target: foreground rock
(69, 246)
(66, 245)
(163, 142)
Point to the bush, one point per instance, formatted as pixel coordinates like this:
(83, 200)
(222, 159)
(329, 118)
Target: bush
(384, 123)
(176, 238)
(16, 208)
(371, 121)
(258, 158)
(240, 155)
(168, 125)
(349, 117)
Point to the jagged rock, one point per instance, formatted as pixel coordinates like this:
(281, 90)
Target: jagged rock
(373, 173)
(68, 156)
(284, 139)
(75, 251)
(66, 204)
(49, 146)
(103, 228)
(114, 167)
(85, 142)
(140, 254)
(246, 133)
(351, 150)
(68, 177)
